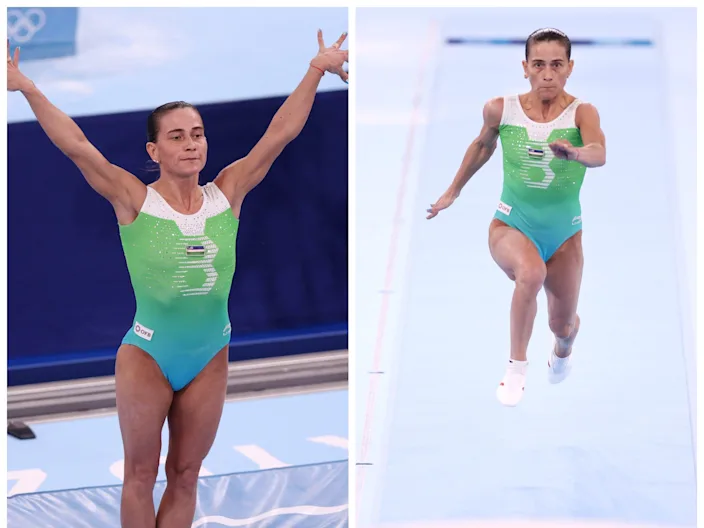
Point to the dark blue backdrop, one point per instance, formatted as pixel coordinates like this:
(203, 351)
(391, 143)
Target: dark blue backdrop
(70, 300)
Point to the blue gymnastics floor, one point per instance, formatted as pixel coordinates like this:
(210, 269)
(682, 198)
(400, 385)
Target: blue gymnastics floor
(276, 461)
(254, 434)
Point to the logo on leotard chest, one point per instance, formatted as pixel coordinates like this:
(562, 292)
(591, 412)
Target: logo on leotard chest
(536, 152)
(535, 169)
(196, 274)
(195, 251)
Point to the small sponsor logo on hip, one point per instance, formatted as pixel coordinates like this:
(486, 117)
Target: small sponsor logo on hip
(506, 209)
(143, 332)
(577, 220)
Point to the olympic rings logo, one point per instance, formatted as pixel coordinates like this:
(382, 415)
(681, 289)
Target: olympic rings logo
(22, 26)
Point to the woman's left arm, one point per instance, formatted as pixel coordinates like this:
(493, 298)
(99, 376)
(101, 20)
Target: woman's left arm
(593, 153)
(240, 177)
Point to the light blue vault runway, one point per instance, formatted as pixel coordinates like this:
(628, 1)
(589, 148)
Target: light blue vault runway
(613, 446)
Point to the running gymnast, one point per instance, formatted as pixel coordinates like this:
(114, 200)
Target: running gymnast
(179, 244)
(548, 138)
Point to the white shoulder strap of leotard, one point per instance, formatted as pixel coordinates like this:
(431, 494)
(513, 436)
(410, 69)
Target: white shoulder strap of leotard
(570, 116)
(213, 194)
(508, 112)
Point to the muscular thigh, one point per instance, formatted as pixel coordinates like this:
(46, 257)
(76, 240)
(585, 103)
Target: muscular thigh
(564, 278)
(195, 414)
(143, 400)
(515, 253)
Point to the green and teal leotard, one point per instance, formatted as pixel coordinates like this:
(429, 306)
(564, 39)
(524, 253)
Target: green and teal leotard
(181, 268)
(540, 194)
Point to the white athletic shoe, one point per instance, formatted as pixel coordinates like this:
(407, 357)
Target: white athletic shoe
(558, 368)
(510, 390)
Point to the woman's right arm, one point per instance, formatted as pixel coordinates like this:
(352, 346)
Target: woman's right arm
(475, 157)
(117, 185)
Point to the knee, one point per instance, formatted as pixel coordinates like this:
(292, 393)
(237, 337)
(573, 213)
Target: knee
(561, 327)
(531, 278)
(141, 474)
(183, 476)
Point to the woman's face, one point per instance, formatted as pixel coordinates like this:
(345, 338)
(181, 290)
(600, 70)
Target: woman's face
(547, 68)
(181, 148)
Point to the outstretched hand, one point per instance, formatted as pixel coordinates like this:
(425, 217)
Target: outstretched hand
(563, 149)
(445, 201)
(15, 78)
(331, 59)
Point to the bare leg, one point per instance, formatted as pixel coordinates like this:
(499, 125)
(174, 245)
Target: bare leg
(143, 401)
(193, 423)
(518, 257)
(562, 285)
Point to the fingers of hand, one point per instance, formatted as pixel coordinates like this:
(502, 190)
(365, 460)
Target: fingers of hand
(337, 57)
(340, 40)
(557, 148)
(433, 211)
(10, 60)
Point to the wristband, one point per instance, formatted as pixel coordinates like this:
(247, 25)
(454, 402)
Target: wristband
(321, 71)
